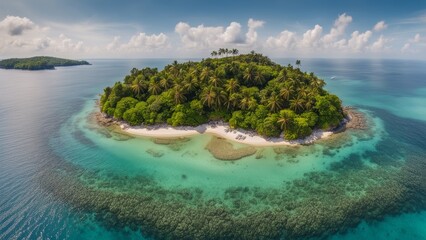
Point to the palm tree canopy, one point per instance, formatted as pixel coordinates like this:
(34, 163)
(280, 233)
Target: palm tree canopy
(248, 86)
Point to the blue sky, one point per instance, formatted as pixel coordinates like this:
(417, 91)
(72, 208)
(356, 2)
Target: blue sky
(187, 28)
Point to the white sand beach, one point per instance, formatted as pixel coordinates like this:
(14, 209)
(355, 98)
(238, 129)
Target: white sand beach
(222, 130)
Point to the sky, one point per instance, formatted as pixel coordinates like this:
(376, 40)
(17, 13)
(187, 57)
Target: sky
(193, 28)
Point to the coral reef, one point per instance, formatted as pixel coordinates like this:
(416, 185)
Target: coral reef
(317, 205)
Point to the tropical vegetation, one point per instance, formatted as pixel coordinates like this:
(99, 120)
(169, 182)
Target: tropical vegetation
(248, 91)
(38, 63)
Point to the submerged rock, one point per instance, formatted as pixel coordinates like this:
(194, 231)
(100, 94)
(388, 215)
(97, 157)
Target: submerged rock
(168, 141)
(224, 150)
(357, 120)
(259, 153)
(107, 127)
(155, 153)
(103, 120)
(174, 144)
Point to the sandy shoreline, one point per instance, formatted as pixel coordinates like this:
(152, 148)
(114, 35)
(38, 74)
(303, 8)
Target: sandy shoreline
(221, 130)
(354, 120)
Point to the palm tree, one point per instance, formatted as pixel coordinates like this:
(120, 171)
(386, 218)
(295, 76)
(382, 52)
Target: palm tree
(246, 99)
(165, 83)
(221, 51)
(189, 84)
(245, 102)
(309, 103)
(252, 104)
(311, 92)
(220, 99)
(284, 119)
(234, 68)
(154, 88)
(215, 80)
(227, 51)
(298, 63)
(205, 74)
(231, 85)
(259, 78)
(297, 104)
(194, 72)
(317, 83)
(249, 73)
(285, 92)
(235, 51)
(233, 100)
(138, 86)
(134, 71)
(178, 94)
(292, 82)
(264, 95)
(282, 76)
(208, 96)
(274, 103)
(214, 54)
(174, 69)
(303, 92)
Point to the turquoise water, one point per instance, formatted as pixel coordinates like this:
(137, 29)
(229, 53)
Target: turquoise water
(64, 177)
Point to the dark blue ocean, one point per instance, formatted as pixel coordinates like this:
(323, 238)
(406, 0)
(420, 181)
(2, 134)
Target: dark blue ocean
(61, 178)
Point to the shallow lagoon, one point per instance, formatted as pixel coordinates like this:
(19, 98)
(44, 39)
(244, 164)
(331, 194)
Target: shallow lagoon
(189, 164)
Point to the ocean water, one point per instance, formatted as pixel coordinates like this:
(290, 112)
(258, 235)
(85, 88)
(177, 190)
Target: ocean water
(64, 177)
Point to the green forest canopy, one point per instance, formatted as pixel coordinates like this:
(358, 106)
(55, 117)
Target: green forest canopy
(249, 91)
(38, 63)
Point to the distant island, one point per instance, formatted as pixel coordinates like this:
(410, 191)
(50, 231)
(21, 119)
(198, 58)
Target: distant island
(39, 63)
(247, 91)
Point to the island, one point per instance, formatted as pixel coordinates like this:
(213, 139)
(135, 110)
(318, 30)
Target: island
(39, 63)
(262, 99)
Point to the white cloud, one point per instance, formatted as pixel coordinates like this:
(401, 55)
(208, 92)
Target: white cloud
(200, 36)
(416, 38)
(358, 40)
(412, 42)
(289, 40)
(380, 26)
(338, 30)
(65, 44)
(19, 36)
(17, 43)
(16, 25)
(334, 43)
(379, 44)
(232, 33)
(42, 43)
(205, 36)
(341, 44)
(405, 47)
(313, 40)
(415, 20)
(285, 39)
(251, 35)
(24, 37)
(142, 41)
(114, 44)
(312, 36)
